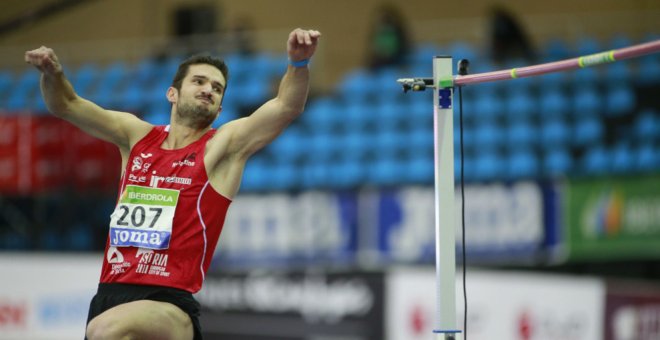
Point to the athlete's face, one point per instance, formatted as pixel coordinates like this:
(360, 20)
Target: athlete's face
(198, 103)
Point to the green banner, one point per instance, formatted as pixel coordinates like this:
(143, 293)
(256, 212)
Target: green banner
(612, 219)
(149, 196)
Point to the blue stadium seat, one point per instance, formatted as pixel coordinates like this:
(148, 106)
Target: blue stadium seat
(323, 114)
(554, 80)
(468, 167)
(357, 84)
(468, 138)
(387, 90)
(647, 158)
(585, 77)
(520, 104)
(587, 131)
(238, 66)
(421, 140)
(488, 136)
(113, 75)
(618, 72)
(522, 164)
(623, 158)
(356, 116)
(587, 101)
(487, 106)
(346, 173)
(110, 81)
(255, 175)
(553, 103)
(386, 171)
(145, 71)
(282, 176)
(555, 133)
(227, 114)
(168, 67)
(420, 111)
(420, 170)
(315, 175)
(85, 78)
(390, 115)
(158, 113)
(356, 145)
(620, 100)
(6, 80)
(21, 96)
(391, 142)
(254, 90)
(487, 166)
(647, 126)
(596, 161)
(521, 134)
(557, 162)
(289, 146)
(132, 97)
(322, 146)
(39, 105)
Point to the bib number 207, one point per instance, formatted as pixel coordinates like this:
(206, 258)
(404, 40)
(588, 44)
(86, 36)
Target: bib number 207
(138, 216)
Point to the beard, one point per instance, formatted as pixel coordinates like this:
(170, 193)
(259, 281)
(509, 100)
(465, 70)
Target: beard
(194, 116)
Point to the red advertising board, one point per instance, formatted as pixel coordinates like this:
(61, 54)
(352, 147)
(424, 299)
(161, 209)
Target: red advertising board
(632, 311)
(43, 153)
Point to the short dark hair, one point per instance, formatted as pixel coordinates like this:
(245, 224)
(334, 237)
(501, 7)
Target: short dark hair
(182, 71)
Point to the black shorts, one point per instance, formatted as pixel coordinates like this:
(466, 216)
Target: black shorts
(110, 295)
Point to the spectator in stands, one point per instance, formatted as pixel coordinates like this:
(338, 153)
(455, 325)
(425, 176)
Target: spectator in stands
(388, 42)
(176, 187)
(508, 40)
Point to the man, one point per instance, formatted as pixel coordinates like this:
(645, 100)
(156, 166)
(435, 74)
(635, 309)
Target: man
(176, 186)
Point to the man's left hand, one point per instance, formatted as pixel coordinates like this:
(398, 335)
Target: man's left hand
(302, 44)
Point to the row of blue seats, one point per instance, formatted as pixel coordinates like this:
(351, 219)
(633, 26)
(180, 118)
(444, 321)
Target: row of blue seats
(320, 140)
(533, 117)
(339, 173)
(125, 86)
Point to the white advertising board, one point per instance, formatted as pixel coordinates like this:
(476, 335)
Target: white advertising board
(46, 296)
(501, 305)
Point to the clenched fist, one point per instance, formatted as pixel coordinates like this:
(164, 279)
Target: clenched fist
(44, 59)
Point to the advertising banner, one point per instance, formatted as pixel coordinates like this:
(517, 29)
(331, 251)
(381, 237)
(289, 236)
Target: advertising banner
(286, 229)
(632, 311)
(293, 305)
(501, 222)
(613, 219)
(42, 153)
(46, 297)
(501, 305)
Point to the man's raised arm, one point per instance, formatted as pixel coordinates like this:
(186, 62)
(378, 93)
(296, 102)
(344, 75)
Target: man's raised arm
(119, 128)
(266, 123)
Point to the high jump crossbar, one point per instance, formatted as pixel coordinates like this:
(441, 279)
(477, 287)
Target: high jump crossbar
(443, 83)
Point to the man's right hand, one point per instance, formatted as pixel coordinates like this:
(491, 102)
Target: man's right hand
(44, 59)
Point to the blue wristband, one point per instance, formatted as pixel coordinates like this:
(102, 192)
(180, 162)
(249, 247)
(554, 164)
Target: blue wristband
(299, 63)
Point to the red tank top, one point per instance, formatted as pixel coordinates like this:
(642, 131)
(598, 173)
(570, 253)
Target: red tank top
(168, 218)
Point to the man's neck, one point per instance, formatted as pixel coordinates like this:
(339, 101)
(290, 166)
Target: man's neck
(181, 136)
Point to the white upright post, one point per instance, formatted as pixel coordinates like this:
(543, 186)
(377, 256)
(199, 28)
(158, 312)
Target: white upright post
(445, 243)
